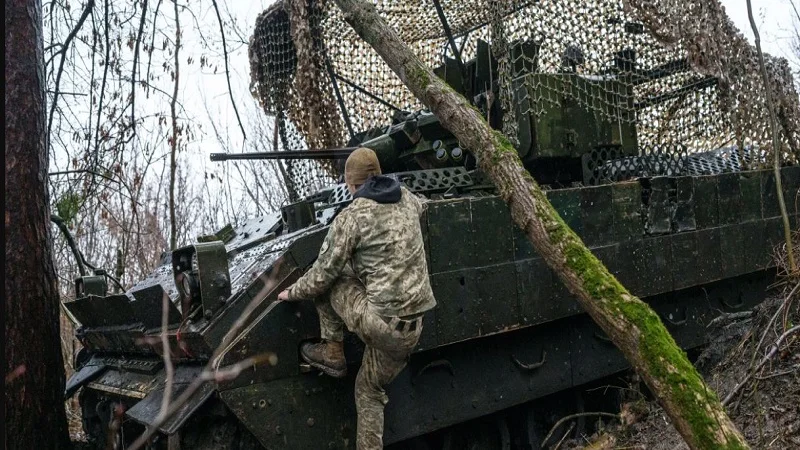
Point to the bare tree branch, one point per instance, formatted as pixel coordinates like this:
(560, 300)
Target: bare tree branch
(770, 354)
(102, 85)
(784, 305)
(67, 172)
(220, 139)
(575, 416)
(81, 260)
(167, 354)
(227, 71)
(212, 372)
(63, 52)
(136, 66)
(70, 242)
(179, 104)
(150, 49)
(173, 236)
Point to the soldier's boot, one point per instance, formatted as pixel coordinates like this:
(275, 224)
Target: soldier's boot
(327, 356)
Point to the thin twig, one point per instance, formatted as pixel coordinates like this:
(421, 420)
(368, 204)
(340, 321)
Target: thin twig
(245, 184)
(269, 284)
(77, 253)
(796, 13)
(63, 51)
(70, 242)
(228, 373)
(127, 79)
(135, 66)
(788, 305)
(729, 316)
(773, 122)
(772, 351)
(95, 34)
(166, 351)
(227, 71)
(106, 65)
(574, 416)
(209, 373)
(783, 305)
(609, 386)
(777, 374)
(67, 172)
(569, 430)
(150, 49)
(76, 94)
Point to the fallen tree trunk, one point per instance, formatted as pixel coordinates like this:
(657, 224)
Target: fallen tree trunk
(636, 330)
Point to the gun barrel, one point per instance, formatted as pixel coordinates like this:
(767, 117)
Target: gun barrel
(325, 153)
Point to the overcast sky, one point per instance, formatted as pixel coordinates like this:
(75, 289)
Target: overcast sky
(775, 20)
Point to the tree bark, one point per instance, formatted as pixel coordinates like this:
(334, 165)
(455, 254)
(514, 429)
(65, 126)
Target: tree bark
(635, 329)
(34, 390)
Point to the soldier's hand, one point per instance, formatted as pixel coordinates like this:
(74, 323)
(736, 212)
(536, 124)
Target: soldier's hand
(284, 295)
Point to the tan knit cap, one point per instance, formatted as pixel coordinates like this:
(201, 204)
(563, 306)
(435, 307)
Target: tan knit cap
(360, 165)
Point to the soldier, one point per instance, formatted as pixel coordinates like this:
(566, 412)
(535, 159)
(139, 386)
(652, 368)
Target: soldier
(372, 267)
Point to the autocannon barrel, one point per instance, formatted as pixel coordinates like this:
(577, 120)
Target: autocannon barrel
(327, 153)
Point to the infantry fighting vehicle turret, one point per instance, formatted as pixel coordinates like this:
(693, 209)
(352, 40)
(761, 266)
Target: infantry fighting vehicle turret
(691, 234)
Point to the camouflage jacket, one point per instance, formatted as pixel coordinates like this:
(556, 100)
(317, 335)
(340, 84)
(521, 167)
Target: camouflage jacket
(383, 243)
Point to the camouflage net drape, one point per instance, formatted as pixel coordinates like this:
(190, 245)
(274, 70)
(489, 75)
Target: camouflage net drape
(693, 77)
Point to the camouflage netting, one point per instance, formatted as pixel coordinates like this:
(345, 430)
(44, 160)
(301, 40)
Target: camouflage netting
(693, 77)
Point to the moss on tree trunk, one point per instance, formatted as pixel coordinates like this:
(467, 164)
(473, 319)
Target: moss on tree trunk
(632, 325)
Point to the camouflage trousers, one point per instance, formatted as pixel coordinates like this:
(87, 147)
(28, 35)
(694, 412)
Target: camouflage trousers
(386, 353)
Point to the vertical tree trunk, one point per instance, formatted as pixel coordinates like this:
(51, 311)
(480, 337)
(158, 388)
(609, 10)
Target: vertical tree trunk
(34, 389)
(635, 329)
(776, 146)
(173, 155)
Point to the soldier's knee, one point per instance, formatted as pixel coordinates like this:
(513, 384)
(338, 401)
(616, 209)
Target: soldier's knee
(370, 400)
(368, 391)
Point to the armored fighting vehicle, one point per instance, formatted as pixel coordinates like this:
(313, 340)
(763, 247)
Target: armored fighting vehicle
(688, 230)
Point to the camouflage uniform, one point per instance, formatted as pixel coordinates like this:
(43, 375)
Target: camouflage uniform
(372, 265)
